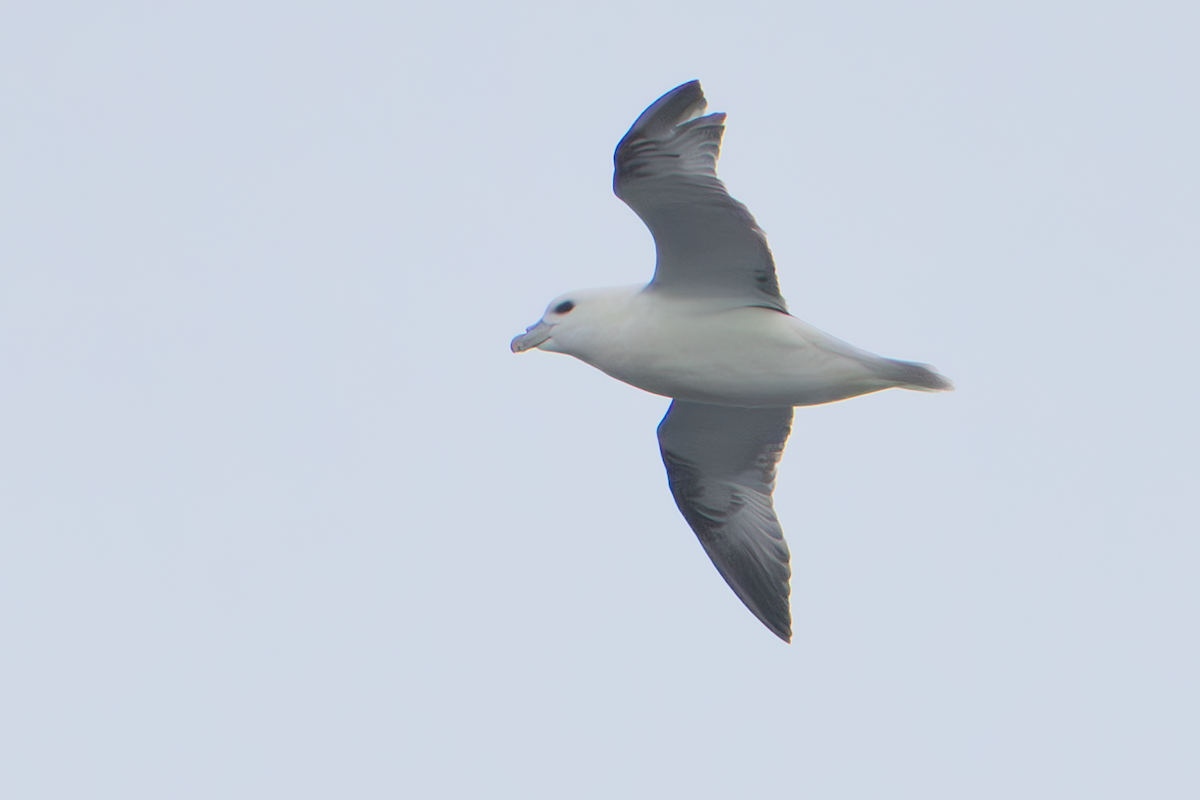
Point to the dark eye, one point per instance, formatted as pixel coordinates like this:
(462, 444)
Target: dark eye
(564, 307)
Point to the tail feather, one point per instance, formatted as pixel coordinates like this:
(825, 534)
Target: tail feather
(920, 377)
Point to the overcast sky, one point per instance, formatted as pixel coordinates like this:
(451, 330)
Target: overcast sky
(282, 516)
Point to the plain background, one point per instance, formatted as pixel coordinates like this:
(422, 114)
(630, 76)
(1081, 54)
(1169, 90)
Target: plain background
(283, 517)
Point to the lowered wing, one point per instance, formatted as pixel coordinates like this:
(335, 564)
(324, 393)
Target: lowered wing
(721, 467)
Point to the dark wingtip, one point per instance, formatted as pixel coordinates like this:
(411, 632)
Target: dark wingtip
(667, 111)
(776, 616)
(781, 628)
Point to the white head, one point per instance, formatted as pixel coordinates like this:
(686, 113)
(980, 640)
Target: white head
(574, 322)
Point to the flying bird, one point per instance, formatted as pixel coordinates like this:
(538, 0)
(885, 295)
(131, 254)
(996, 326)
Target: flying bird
(712, 332)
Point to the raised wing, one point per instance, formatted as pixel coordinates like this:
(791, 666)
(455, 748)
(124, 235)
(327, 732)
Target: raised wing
(721, 466)
(707, 242)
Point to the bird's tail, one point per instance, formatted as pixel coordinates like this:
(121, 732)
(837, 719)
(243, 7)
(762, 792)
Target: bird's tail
(920, 377)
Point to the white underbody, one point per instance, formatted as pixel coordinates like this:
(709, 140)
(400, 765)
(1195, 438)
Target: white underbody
(702, 350)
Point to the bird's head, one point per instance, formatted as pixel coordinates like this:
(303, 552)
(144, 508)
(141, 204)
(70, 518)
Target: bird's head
(573, 320)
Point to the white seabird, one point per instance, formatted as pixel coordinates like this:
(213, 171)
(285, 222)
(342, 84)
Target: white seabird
(712, 332)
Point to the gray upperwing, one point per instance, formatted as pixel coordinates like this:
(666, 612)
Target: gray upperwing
(708, 244)
(721, 466)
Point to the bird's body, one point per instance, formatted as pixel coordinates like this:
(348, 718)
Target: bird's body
(712, 332)
(703, 350)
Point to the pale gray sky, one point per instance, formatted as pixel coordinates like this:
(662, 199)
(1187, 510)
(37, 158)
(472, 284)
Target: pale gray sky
(283, 517)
